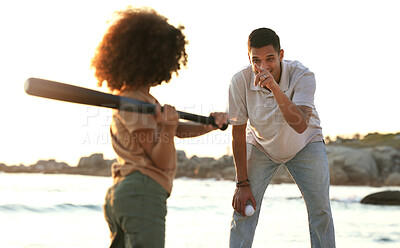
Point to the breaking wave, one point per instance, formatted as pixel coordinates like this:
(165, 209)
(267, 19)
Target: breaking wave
(65, 207)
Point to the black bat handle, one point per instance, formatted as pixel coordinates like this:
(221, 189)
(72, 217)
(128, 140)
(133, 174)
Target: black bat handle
(207, 120)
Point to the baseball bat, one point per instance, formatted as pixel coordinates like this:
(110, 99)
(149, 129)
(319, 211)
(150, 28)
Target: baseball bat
(75, 94)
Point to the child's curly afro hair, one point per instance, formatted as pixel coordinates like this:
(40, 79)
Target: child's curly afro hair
(139, 49)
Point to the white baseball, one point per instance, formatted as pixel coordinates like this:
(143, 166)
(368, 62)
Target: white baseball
(249, 210)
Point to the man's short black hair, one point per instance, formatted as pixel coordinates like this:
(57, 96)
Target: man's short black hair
(264, 37)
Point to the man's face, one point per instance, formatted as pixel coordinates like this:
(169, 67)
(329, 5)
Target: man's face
(267, 58)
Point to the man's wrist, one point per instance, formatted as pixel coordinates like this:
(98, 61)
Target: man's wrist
(274, 87)
(243, 183)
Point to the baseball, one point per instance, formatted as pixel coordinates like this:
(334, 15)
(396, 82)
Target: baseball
(249, 210)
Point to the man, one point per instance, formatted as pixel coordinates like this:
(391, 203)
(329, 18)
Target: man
(271, 108)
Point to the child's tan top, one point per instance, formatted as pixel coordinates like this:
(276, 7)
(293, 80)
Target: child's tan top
(131, 156)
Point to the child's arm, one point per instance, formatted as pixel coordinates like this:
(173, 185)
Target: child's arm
(191, 129)
(161, 148)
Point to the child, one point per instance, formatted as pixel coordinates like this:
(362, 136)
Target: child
(141, 50)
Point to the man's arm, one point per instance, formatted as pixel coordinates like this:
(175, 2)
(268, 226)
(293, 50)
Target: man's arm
(243, 192)
(296, 116)
(239, 151)
(191, 129)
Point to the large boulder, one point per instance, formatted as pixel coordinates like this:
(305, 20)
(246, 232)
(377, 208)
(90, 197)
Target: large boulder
(223, 168)
(337, 175)
(198, 167)
(95, 160)
(183, 163)
(94, 165)
(393, 179)
(181, 156)
(351, 166)
(201, 166)
(224, 162)
(387, 159)
(202, 170)
(109, 162)
(383, 198)
(229, 173)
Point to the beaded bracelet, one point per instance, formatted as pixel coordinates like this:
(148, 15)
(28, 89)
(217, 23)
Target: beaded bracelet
(238, 184)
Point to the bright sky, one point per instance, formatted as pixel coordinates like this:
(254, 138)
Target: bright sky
(351, 46)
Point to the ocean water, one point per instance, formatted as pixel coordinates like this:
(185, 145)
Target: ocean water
(43, 211)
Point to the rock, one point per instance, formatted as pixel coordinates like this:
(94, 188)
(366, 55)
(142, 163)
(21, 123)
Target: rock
(196, 159)
(358, 165)
(383, 198)
(198, 167)
(222, 168)
(373, 166)
(95, 160)
(229, 173)
(385, 158)
(202, 170)
(338, 176)
(94, 165)
(110, 162)
(186, 168)
(49, 166)
(388, 150)
(217, 174)
(393, 179)
(223, 162)
(396, 167)
(181, 156)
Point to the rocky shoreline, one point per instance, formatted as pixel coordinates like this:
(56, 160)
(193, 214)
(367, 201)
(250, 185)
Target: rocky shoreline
(373, 166)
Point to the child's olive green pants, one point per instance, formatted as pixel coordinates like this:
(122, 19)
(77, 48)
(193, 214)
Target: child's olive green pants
(135, 210)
